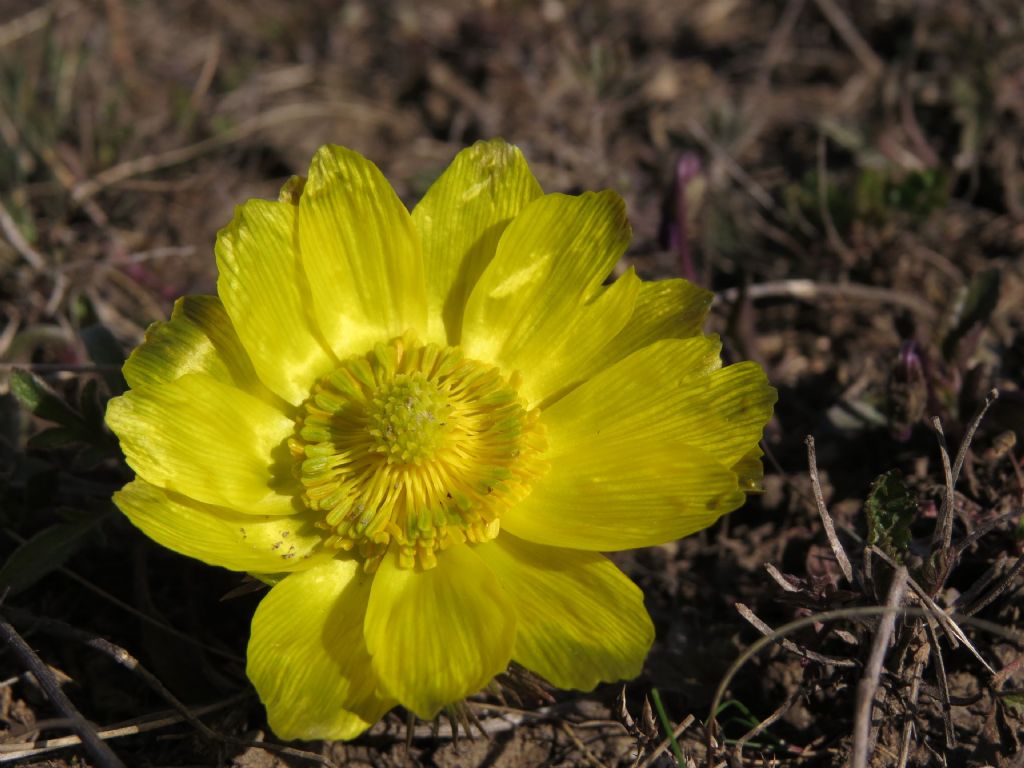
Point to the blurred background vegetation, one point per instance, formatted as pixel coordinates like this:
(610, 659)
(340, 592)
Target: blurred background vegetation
(847, 176)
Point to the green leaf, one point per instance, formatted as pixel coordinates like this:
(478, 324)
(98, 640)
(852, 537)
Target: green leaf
(270, 579)
(1015, 703)
(90, 457)
(55, 437)
(91, 407)
(920, 193)
(10, 438)
(44, 553)
(891, 509)
(37, 396)
(107, 353)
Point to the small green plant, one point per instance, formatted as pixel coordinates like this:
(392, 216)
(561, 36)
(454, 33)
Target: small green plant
(890, 509)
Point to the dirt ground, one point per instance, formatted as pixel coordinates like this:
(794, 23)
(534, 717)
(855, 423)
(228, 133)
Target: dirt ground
(847, 176)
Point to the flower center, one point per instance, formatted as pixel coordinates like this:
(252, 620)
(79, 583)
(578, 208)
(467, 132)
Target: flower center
(408, 419)
(414, 446)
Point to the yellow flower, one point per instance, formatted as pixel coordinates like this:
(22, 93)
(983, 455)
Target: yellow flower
(426, 427)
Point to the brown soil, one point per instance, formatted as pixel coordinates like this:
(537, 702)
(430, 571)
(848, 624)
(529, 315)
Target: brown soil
(857, 204)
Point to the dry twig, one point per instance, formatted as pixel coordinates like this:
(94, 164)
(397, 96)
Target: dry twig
(12, 752)
(1003, 584)
(872, 673)
(931, 608)
(942, 537)
(288, 113)
(146, 618)
(100, 752)
(826, 518)
(779, 579)
(665, 743)
(972, 428)
(127, 660)
(789, 645)
(831, 232)
(733, 168)
(940, 676)
(18, 241)
(812, 290)
(851, 36)
(767, 723)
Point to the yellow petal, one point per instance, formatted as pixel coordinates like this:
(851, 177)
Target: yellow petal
(439, 635)
(665, 309)
(621, 492)
(643, 452)
(674, 389)
(360, 252)
(307, 658)
(750, 470)
(199, 338)
(209, 441)
(460, 220)
(580, 620)
(539, 306)
(218, 536)
(265, 293)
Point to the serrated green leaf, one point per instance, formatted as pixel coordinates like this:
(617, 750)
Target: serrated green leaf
(37, 396)
(890, 509)
(44, 553)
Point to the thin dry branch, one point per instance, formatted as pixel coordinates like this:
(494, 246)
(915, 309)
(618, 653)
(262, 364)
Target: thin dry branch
(1001, 586)
(122, 657)
(779, 45)
(852, 37)
(948, 623)
(826, 518)
(767, 723)
(965, 444)
(868, 686)
(31, 22)
(942, 536)
(980, 530)
(127, 660)
(156, 623)
(288, 113)
(779, 579)
(711, 723)
(812, 290)
(588, 756)
(940, 676)
(789, 645)
(825, 211)
(732, 167)
(920, 657)
(18, 241)
(94, 745)
(665, 743)
(12, 752)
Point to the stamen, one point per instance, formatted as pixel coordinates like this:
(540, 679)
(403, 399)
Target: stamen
(416, 447)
